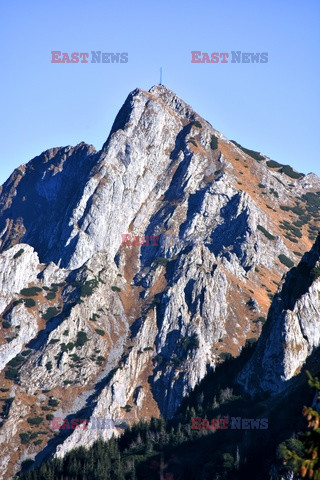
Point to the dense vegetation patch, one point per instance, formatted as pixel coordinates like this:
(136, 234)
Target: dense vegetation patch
(274, 192)
(292, 229)
(285, 260)
(213, 142)
(7, 402)
(12, 374)
(49, 366)
(50, 313)
(115, 289)
(31, 291)
(81, 339)
(16, 361)
(266, 233)
(68, 346)
(18, 254)
(313, 202)
(51, 296)
(35, 420)
(288, 170)
(87, 288)
(53, 402)
(100, 332)
(252, 153)
(29, 302)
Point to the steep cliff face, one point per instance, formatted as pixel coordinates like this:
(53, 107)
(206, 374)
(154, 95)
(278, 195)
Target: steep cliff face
(53, 183)
(92, 327)
(292, 332)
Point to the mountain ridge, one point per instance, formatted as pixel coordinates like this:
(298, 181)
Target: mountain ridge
(147, 322)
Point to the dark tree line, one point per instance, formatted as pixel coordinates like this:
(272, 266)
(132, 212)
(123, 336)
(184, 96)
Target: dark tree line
(172, 450)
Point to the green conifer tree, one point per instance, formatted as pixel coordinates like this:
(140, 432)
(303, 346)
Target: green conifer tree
(306, 461)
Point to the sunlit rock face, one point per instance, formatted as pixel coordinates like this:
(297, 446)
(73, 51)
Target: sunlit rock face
(125, 332)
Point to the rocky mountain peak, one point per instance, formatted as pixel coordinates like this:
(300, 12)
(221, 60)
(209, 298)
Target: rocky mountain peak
(103, 329)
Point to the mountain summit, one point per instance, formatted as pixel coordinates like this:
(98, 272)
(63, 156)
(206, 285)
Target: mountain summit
(94, 328)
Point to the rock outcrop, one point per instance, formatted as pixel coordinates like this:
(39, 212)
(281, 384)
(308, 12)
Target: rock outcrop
(292, 332)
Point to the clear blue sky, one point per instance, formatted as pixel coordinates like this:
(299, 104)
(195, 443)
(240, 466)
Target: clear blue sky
(272, 107)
